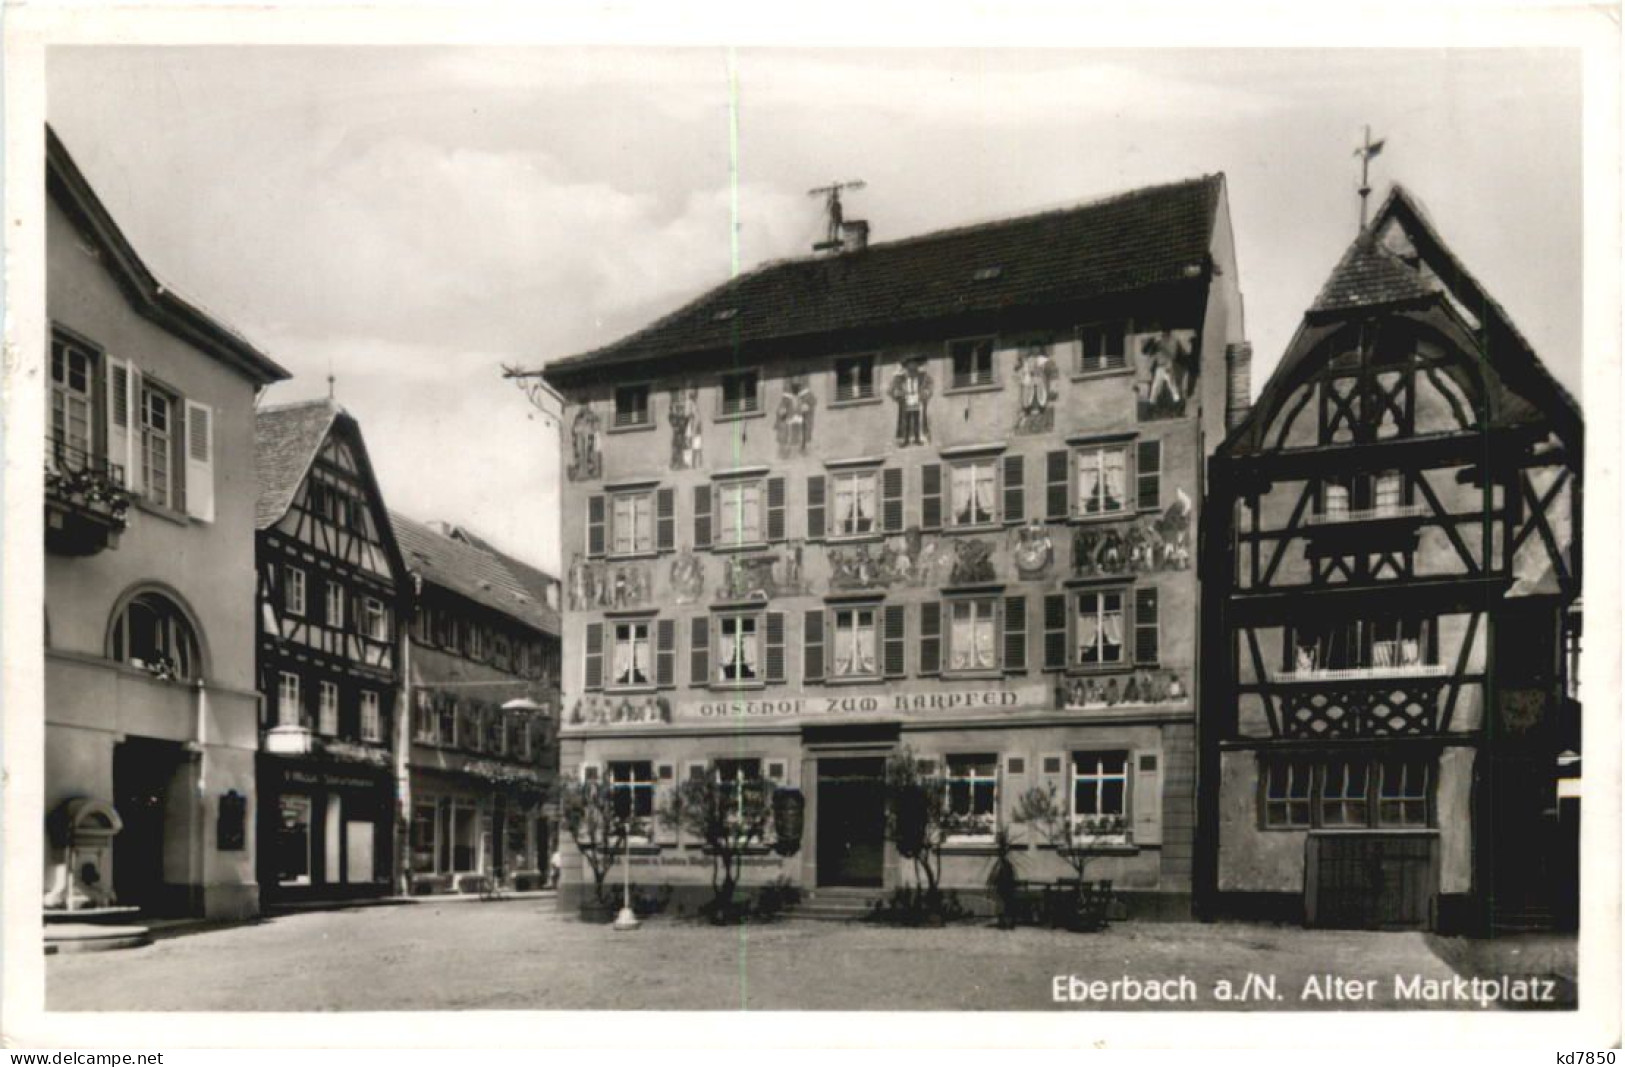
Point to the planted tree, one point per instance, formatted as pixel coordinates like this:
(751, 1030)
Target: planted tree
(919, 823)
(730, 818)
(1003, 876)
(598, 827)
(1050, 817)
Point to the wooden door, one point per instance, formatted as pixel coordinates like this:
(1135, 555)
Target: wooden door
(1371, 881)
(851, 822)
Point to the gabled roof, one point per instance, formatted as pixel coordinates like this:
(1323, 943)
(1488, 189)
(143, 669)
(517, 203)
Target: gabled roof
(1373, 277)
(150, 297)
(287, 440)
(1120, 244)
(471, 572)
(537, 582)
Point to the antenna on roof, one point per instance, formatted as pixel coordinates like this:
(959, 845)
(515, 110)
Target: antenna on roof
(857, 228)
(1366, 152)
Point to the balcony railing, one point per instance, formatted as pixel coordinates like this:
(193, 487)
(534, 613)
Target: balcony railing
(1335, 516)
(87, 506)
(1351, 674)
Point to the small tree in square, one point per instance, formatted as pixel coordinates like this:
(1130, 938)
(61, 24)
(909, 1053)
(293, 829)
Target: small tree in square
(1049, 816)
(919, 822)
(730, 818)
(597, 826)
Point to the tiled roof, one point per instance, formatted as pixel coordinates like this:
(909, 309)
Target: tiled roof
(536, 581)
(1126, 242)
(1370, 275)
(469, 571)
(286, 439)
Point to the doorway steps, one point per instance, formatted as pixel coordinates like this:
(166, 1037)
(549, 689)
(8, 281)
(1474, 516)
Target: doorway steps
(839, 904)
(93, 930)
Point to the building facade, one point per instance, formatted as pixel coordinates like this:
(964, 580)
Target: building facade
(937, 494)
(150, 699)
(332, 588)
(482, 671)
(1390, 567)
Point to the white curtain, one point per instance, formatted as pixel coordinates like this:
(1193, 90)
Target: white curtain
(963, 490)
(1088, 481)
(1113, 462)
(865, 650)
(984, 497)
(984, 645)
(747, 653)
(623, 661)
(1088, 633)
(1112, 621)
(843, 649)
(963, 637)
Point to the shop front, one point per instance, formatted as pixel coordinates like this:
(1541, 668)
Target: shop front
(468, 830)
(326, 830)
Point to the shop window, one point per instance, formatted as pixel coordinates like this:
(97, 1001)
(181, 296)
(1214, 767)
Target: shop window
(464, 824)
(854, 379)
(632, 788)
(973, 639)
(154, 634)
(1347, 793)
(1402, 799)
(1343, 794)
(292, 844)
(973, 492)
(972, 362)
(1287, 791)
(855, 496)
(423, 828)
(973, 786)
(1102, 485)
(738, 777)
(856, 653)
(632, 406)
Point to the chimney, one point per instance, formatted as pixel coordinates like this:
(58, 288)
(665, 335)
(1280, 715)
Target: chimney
(1238, 383)
(855, 235)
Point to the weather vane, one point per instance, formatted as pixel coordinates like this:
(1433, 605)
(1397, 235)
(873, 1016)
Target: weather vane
(1366, 152)
(832, 207)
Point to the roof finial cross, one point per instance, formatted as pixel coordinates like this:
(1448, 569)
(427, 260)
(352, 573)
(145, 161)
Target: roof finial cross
(1366, 151)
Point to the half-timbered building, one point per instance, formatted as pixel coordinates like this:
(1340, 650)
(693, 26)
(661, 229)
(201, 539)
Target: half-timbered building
(149, 696)
(482, 681)
(331, 592)
(1390, 556)
(935, 494)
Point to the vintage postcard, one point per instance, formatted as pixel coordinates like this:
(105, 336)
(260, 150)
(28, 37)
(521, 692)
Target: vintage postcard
(1020, 531)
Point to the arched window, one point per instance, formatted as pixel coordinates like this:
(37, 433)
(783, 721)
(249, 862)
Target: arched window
(153, 633)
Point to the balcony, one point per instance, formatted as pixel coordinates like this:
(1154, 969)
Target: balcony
(1334, 516)
(86, 504)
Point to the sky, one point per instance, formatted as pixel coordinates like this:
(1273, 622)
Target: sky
(409, 220)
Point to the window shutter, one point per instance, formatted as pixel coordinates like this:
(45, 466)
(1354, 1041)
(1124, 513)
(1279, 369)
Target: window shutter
(595, 525)
(199, 481)
(120, 413)
(815, 507)
(665, 520)
(775, 647)
(1148, 474)
(665, 833)
(930, 638)
(775, 509)
(1055, 632)
(812, 646)
(595, 656)
(931, 496)
(1015, 635)
(1147, 633)
(1013, 779)
(1147, 806)
(699, 650)
(1052, 776)
(895, 652)
(891, 500)
(702, 516)
(1056, 497)
(665, 653)
(1015, 489)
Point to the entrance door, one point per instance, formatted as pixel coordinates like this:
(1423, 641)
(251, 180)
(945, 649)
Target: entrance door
(851, 821)
(1372, 882)
(144, 771)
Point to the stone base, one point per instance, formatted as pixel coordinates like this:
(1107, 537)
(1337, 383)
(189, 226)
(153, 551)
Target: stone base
(93, 937)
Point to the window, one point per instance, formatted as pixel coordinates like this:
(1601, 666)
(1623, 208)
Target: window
(1286, 795)
(972, 361)
(1402, 799)
(1363, 648)
(631, 520)
(631, 663)
(448, 722)
(372, 720)
(327, 718)
(856, 495)
(1351, 497)
(288, 712)
(157, 445)
(632, 788)
(152, 633)
(1343, 800)
(740, 395)
(1102, 480)
(740, 513)
(423, 828)
(72, 368)
(1102, 347)
(973, 493)
(973, 635)
(1100, 791)
(632, 406)
(973, 783)
(476, 642)
(856, 653)
(738, 649)
(496, 732)
(519, 736)
(293, 590)
(1100, 628)
(335, 611)
(423, 718)
(738, 777)
(854, 379)
(374, 622)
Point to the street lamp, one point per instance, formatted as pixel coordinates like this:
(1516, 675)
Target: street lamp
(626, 920)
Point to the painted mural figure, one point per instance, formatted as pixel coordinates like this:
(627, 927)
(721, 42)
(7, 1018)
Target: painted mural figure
(973, 562)
(911, 390)
(794, 419)
(1166, 371)
(687, 440)
(581, 584)
(586, 457)
(1033, 550)
(688, 578)
(1035, 377)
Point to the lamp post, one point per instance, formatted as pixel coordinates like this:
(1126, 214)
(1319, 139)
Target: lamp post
(626, 920)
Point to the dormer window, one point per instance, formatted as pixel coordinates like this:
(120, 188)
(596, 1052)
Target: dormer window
(972, 361)
(740, 393)
(854, 379)
(1102, 346)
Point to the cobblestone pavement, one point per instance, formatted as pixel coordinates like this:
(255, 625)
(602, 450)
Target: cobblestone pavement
(523, 955)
